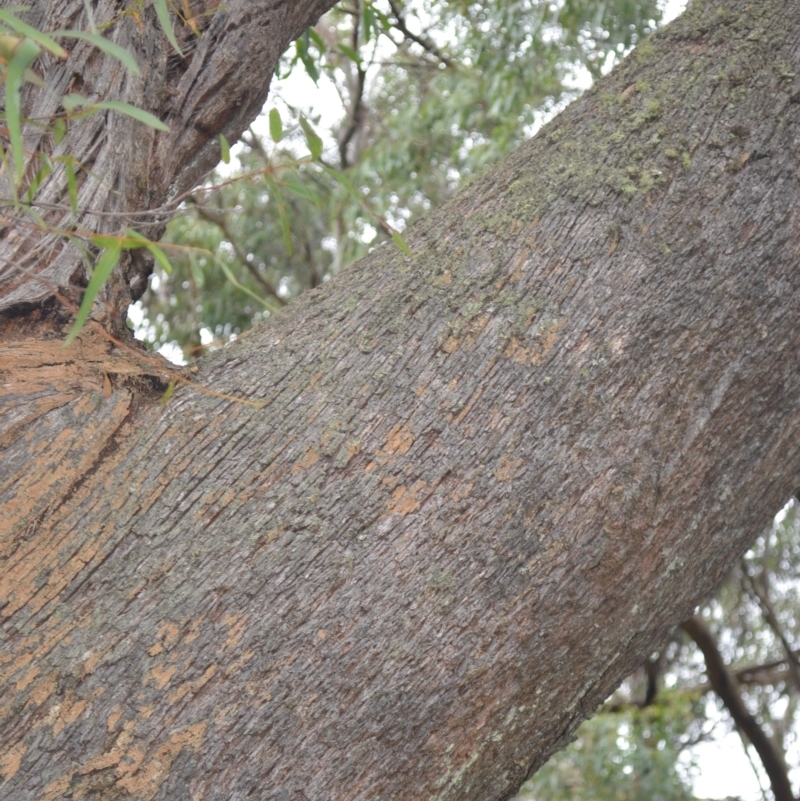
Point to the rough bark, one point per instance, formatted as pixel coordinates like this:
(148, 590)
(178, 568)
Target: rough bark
(480, 486)
(217, 87)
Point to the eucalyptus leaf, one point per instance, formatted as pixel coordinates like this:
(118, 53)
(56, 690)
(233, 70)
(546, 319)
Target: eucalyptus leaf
(137, 113)
(107, 46)
(162, 12)
(22, 28)
(26, 53)
(312, 138)
(102, 270)
(225, 149)
(275, 125)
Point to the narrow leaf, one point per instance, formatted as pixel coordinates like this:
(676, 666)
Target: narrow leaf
(301, 190)
(168, 392)
(285, 228)
(312, 139)
(275, 125)
(73, 101)
(317, 39)
(368, 18)
(137, 113)
(90, 15)
(102, 270)
(72, 186)
(232, 278)
(345, 182)
(41, 175)
(24, 29)
(107, 46)
(25, 55)
(162, 12)
(59, 130)
(401, 243)
(144, 242)
(350, 53)
(225, 149)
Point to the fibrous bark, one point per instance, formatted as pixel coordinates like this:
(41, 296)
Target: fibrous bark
(480, 485)
(217, 86)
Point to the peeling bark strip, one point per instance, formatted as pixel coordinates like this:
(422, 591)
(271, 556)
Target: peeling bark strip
(487, 481)
(128, 168)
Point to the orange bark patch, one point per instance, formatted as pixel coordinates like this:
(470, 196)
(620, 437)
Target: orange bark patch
(463, 413)
(236, 625)
(113, 718)
(43, 690)
(192, 686)
(242, 660)
(506, 467)
(548, 340)
(459, 493)
(404, 499)
(399, 440)
(160, 675)
(310, 458)
(67, 713)
(27, 678)
(144, 780)
(11, 760)
(450, 344)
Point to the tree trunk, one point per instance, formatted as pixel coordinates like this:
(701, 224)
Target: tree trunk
(472, 488)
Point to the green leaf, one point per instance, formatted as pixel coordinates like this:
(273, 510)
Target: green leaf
(102, 270)
(41, 175)
(59, 130)
(24, 29)
(275, 125)
(168, 392)
(225, 149)
(73, 101)
(87, 4)
(285, 228)
(107, 46)
(401, 243)
(232, 278)
(26, 53)
(301, 190)
(345, 182)
(162, 12)
(368, 18)
(72, 185)
(352, 54)
(317, 39)
(312, 139)
(143, 242)
(137, 113)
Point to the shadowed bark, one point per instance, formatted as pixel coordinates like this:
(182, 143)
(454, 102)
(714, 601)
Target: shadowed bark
(478, 485)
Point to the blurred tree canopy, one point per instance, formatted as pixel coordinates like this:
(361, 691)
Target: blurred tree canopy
(425, 94)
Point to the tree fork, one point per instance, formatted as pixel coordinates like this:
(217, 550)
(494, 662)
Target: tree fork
(484, 483)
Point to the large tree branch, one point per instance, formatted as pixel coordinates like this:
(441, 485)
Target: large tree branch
(464, 493)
